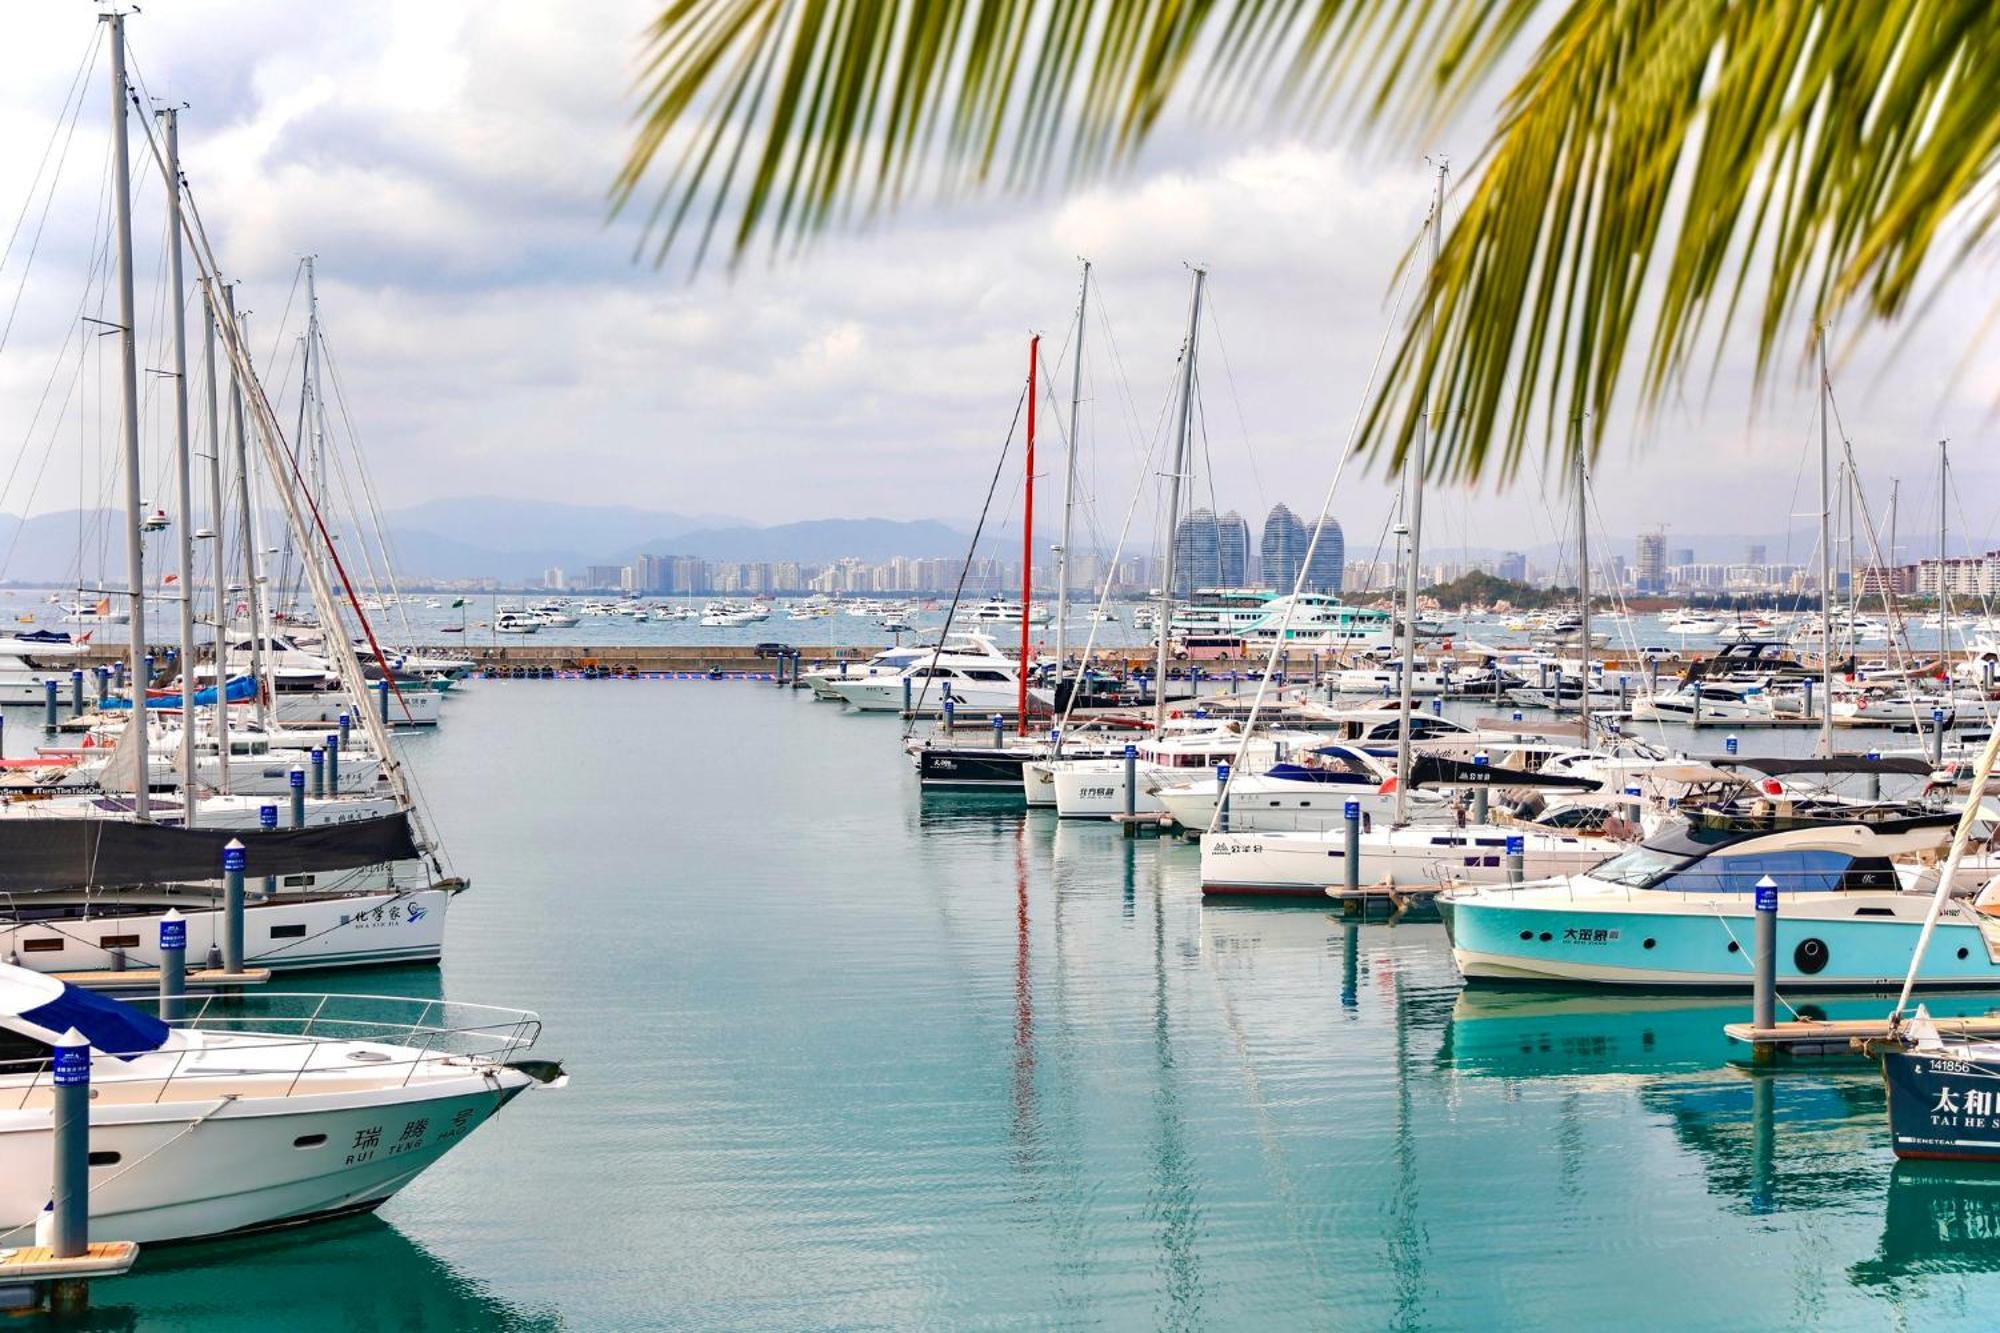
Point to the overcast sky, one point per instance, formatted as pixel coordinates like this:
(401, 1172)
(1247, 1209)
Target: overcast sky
(447, 162)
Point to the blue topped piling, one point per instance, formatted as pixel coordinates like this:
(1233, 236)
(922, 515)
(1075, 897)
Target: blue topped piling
(1874, 778)
(102, 675)
(298, 784)
(1480, 794)
(382, 693)
(49, 703)
(1131, 789)
(999, 731)
(70, 1118)
(346, 725)
(76, 692)
(1222, 797)
(1350, 813)
(318, 772)
(333, 744)
(267, 820)
(233, 862)
(173, 965)
(1764, 1006)
(1517, 857)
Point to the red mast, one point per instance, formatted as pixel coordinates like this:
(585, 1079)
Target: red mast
(1028, 532)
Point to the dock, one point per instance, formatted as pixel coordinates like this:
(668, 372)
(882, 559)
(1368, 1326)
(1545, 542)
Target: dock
(1844, 1036)
(148, 978)
(38, 1263)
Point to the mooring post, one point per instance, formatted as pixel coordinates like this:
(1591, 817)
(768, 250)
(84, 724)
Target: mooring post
(1480, 792)
(1222, 797)
(1351, 817)
(1874, 778)
(999, 731)
(318, 772)
(950, 706)
(1764, 1007)
(1697, 702)
(173, 965)
(382, 693)
(70, 1118)
(1809, 699)
(233, 863)
(1937, 737)
(1131, 789)
(1517, 856)
(267, 820)
(48, 703)
(907, 704)
(118, 673)
(298, 784)
(1729, 743)
(346, 725)
(333, 747)
(151, 674)
(102, 675)
(76, 692)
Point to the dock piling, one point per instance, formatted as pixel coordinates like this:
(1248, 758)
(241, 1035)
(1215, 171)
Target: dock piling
(70, 1119)
(1874, 779)
(233, 862)
(318, 772)
(173, 965)
(382, 694)
(334, 743)
(76, 692)
(1479, 794)
(1131, 790)
(1222, 797)
(267, 819)
(346, 725)
(1351, 817)
(908, 703)
(1764, 997)
(48, 703)
(102, 674)
(1517, 856)
(298, 784)
(1937, 737)
(999, 731)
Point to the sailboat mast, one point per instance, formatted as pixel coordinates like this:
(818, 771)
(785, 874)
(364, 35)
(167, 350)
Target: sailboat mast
(1583, 575)
(218, 566)
(1825, 556)
(183, 460)
(128, 357)
(1166, 615)
(315, 407)
(1069, 487)
(1414, 520)
(246, 484)
(1944, 475)
(1028, 535)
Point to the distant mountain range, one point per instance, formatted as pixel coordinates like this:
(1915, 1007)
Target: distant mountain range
(518, 540)
(511, 540)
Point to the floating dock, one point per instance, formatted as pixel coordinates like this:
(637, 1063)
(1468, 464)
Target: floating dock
(1845, 1036)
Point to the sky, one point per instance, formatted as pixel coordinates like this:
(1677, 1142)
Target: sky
(447, 163)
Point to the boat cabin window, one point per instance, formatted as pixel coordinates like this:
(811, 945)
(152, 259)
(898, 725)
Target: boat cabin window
(1800, 871)
(1639, 868)
(1589, 818)
(984, 673)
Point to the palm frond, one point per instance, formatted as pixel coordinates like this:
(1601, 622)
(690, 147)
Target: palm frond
(1660, 168)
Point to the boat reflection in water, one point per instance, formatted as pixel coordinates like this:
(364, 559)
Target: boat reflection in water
(1941, 1218)
(391, 1282)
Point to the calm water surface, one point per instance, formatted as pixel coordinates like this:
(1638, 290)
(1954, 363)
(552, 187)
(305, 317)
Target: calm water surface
(844, 1058)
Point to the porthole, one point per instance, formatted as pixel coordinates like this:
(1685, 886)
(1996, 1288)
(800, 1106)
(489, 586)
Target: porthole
(1545, 937)
(1810, 957)
(309, 1140)
(1734, 946)
(1651, 942)
(1527, 934)
(106, 1158)
(1963, 954)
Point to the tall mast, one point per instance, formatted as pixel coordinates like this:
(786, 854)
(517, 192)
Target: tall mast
(183, 461)
(252, 595)
(1028, 534)
(1166, 616)
(1944, 476)
(1069, 486)
(218, 568)
(315, 409)
(1583, 574)
(128, 357)
(1825, 556)
(1414, 520)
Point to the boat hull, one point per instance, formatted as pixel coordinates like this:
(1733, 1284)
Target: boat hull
(1546, 938)
(1942, 1105)
(1310, 864)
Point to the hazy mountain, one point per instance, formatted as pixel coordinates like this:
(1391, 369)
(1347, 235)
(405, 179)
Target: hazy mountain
(817, 540)
(492, 523)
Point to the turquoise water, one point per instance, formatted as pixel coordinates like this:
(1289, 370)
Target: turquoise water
(843, 1058)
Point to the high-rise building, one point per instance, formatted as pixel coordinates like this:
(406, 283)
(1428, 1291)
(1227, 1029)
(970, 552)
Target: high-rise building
(1329, 558)
(1683, 555)
(1283, 548)
(1232, 549)
(1197, 553)
(1652, 563)
(1513, 567)
(1757, 554)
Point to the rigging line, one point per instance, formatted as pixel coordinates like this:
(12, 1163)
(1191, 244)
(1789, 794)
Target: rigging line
(41, 222)
(1279, 640)
(1006, 447)
(1236, 400)
(382, 538)
(78, 82)
(1118, 551)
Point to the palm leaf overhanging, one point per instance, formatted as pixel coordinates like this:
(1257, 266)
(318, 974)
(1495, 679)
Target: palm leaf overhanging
(1668, 168)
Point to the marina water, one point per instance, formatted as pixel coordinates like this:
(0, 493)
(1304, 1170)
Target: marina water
(842, 1058)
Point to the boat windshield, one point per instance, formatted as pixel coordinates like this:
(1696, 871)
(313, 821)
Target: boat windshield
(1640, 868)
